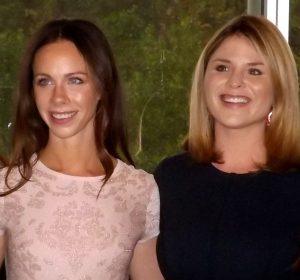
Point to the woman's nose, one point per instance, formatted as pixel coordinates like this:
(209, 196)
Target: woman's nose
(236, 79)
(59, 94)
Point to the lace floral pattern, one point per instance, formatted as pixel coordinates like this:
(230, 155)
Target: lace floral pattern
(58, 229)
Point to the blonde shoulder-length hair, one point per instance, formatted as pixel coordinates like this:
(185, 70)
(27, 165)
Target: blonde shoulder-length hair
(282, 137)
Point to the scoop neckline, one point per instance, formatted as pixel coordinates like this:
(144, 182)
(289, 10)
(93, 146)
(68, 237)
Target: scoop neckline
(41, 166)
(224, 173)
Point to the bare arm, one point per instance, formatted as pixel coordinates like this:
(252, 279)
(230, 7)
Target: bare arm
(2, 248)
(144, 264)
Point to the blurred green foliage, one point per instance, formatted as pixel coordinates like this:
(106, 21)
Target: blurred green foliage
(294, 34)
(156, 45)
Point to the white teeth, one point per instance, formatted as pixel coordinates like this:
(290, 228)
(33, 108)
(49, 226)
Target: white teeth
(235, 99)
(61, 116)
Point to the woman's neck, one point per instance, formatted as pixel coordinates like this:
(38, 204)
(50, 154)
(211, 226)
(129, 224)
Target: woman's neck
(242, 150)
(72, 157)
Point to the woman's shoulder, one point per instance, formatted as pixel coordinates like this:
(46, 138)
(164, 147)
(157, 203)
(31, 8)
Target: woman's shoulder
(3, 175)
(283, 177)
(129, 173)
(3, 171)
(11, 178)
(177, 161)
(286, 180)
(180, 164)
(178, 171)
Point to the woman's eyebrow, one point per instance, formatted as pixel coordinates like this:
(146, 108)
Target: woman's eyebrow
(256, 63)
(76, 73)
(220, 60)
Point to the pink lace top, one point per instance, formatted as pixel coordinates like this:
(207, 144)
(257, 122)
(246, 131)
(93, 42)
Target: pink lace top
(58, 229)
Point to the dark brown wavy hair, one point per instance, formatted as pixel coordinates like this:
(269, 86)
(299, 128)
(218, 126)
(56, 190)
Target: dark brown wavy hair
(30, 133)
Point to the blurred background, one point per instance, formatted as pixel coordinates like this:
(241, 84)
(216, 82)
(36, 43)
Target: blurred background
(156, 44)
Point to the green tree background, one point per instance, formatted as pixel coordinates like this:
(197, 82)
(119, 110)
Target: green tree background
(156, 44)
(294, 34)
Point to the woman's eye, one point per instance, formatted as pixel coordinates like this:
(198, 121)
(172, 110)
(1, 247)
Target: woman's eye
(43, 82)
(221, 68)
(254, 71)
(75, 81)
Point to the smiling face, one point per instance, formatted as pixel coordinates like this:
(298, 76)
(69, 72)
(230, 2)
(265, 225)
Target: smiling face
(238, 86)
(64, 90)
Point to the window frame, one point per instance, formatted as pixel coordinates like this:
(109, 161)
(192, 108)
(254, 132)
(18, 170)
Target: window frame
(270, 9)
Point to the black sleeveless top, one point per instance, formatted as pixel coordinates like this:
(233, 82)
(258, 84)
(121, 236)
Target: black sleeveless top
(219, 226)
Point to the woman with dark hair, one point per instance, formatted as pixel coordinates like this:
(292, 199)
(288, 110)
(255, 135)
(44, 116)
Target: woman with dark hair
(230, 205)
(70, 208)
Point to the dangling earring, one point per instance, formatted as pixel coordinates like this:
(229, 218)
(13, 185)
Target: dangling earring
(269, 118)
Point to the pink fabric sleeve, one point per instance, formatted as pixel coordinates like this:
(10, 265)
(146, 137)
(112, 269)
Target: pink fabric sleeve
(152, 215)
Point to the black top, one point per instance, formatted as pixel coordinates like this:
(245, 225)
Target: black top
(217, 225)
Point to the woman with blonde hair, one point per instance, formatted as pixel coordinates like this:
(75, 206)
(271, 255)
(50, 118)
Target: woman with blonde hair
(230, 204)
(70, 207)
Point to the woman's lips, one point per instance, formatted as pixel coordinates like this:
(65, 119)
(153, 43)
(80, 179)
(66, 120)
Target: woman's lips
(62, 117)
(234, 99)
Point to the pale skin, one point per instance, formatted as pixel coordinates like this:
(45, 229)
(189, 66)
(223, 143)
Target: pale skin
(144, 262)
(2, 248)
(239, 95)
(241, 150)
(66, 99)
